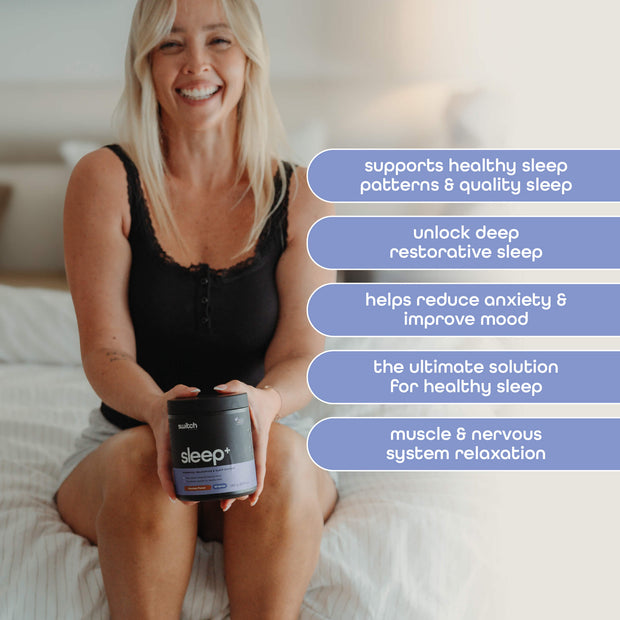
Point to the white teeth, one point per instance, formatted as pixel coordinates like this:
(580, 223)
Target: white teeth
(198, 93)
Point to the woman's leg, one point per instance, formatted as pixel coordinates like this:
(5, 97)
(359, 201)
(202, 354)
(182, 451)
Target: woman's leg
(271, 549)
(146, 543)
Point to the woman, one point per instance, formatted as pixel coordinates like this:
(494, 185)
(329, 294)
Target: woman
(186, 259)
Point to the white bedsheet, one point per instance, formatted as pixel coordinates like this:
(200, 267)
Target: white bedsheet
(399, 545)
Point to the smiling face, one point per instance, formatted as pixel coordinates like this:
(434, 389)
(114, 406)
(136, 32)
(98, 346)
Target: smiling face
(198, 69)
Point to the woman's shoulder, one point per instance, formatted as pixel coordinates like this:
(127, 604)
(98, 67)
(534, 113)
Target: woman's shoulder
(305, 207)
(99, 165)
(98, 187)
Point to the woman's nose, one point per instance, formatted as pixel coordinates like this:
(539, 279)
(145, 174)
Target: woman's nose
(197, 60)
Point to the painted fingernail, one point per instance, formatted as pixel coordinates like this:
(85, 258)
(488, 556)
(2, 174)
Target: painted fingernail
(172, 499)
(225, 508)
(220, 388)
(194, 390)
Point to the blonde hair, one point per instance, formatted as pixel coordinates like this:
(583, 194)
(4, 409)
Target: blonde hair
(260, 132)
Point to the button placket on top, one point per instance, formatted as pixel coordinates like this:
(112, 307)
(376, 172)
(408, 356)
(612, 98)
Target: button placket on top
(205, 281)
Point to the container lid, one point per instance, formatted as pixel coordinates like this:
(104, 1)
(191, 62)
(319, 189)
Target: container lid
(207, 403)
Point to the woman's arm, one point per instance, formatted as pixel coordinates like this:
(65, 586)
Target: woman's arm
(295, 342)
(98, 258)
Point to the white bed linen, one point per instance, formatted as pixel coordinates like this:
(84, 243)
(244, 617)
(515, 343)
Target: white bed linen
(399, 545)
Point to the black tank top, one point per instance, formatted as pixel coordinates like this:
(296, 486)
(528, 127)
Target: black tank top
(197, 325)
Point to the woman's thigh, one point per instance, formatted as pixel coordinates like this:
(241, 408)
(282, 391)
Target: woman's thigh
(114, 462)
(288, 466)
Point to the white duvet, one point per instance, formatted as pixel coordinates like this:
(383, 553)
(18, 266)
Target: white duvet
(398, 546)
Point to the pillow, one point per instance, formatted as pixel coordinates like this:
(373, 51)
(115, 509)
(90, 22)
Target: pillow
(5, 195)
(38, 326)
(72, 151)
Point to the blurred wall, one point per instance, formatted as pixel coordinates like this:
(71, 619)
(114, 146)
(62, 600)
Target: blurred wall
(553, 61)
(390, 39)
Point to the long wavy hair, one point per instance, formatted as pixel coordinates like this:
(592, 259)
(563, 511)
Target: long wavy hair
(260, 132)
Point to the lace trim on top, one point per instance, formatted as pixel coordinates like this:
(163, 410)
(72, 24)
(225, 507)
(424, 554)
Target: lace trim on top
(278, 218)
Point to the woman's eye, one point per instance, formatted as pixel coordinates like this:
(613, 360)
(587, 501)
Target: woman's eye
(220, 42)
(169, 46)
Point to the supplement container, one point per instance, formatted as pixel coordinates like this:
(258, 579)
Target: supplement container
(211, 442)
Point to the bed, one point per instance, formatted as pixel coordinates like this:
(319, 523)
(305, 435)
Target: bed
(399, 545)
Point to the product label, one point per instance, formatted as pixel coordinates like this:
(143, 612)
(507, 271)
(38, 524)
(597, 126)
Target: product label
(215, 480)
(206, 456)
(212, 453)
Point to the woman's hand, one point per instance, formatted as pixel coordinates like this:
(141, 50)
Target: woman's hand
(264, 408)
(158, 421)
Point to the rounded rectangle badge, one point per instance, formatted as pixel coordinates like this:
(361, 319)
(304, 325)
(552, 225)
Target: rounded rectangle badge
(452, 444)
(402, 377)
(465, 175)
(447, 309)
(474, 242)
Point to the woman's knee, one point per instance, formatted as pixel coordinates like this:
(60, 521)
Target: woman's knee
(132, 493)
(110, 484)
(291, 472)
(291, 475)
(131, 461)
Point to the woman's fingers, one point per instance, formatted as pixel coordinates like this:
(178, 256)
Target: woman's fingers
(232, 387)
(260, 458)
(161, 431)
(163, 466)
(225, 504)
(182, 391)
(262, 414)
